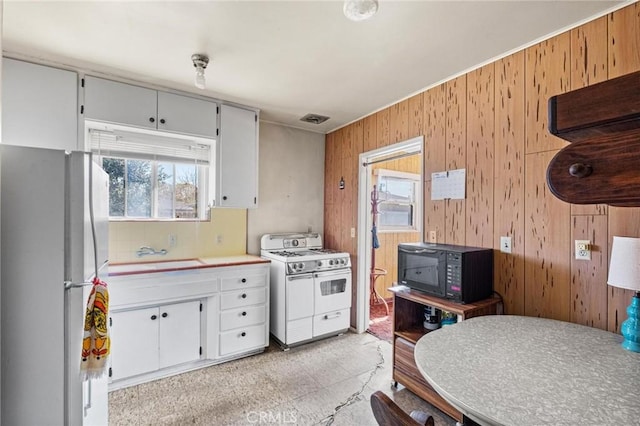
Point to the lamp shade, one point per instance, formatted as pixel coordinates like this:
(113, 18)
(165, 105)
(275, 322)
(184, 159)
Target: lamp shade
(624, 267)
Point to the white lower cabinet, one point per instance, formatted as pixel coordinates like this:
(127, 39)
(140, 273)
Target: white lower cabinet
(145, 340)
(168, 323)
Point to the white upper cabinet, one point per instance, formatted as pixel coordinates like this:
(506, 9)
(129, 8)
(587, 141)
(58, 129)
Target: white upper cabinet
(122, 103)
(39, 106)
(182, 114)
(237, 152)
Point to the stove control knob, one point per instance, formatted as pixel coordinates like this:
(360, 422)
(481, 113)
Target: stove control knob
(294, 243)
(331, 262)
(319, 262)
(301, 266)
(342, 261)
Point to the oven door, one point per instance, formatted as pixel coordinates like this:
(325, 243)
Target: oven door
(332, 291)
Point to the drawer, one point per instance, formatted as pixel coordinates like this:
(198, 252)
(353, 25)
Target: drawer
(330, 322)
(299, 330)
(405, 360)
(242, 339)
(239, 298)
(243, 317)
(243, 281)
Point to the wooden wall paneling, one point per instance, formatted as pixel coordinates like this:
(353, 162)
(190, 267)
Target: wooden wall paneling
(623, 222)
(589, 66)
(357, 147)
(369, 133)
(332, 210)
(350, 193)
(589, 277)
(509, 181)
(480, 154)
(383, 137)
(434, 104)
(416, 116)
(456, 156)
(547, 244)
(547, 74)
(624, 41)
(624, 58)
(399, 121)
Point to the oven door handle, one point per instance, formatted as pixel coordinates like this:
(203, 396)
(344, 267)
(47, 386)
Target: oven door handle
(344, 271)
(299, 277)
(416, 251)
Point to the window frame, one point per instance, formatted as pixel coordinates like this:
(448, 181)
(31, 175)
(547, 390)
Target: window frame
(415, 204)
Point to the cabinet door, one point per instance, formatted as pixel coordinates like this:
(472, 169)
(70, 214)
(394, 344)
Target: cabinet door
(134, 342)
(182, 114)
(39, 106)
(299, 297)
(179, 333)
(237, 162)
(116, 102)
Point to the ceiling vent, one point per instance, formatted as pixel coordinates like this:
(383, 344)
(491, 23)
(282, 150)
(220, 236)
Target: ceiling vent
(314, 118)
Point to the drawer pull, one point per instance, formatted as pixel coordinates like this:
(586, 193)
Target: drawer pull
(244, 314)
(244, 280)
(152, 120)
(243, 334)
(336, 315)
(164, 315)
(244, 295)
(162, 121)
(153, 317)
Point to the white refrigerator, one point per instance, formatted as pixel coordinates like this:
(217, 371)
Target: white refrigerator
(48, 257)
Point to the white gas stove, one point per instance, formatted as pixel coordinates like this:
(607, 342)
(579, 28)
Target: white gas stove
(310, 288)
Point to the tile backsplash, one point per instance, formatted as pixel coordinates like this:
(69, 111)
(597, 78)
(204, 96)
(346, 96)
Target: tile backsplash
(224, 235)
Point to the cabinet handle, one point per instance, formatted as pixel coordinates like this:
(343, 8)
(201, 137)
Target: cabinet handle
(244, 314)
(244, 280)
(154, 317)
(152, 120)
(244, 295)
(243, 334)
(162, 121)
(164, 315)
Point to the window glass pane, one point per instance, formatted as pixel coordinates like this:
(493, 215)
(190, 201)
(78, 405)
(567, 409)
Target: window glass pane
(186, 191)
(115, 169)
(392, 214)
(139, 188)
(392, 188)
(165, 190)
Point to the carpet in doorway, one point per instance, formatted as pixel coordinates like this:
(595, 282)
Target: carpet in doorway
(381, 324)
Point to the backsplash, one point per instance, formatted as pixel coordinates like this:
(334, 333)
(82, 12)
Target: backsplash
(224, 235)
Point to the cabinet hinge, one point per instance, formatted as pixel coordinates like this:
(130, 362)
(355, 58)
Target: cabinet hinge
(217, 110)
(81, 109)
(255, 200)
(217, 132)
(256, 118)
(201, 307)
(110, 322)
(82, 82)
(110, 372)
(200, 350)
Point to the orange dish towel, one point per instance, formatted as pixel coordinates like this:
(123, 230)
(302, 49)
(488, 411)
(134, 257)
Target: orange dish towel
(95, 342)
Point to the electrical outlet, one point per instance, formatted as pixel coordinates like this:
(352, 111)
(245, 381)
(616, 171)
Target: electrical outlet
(173, 240)
(432, 237)
(505, 244)
(353, 232)
(219, 239)
(583, 250)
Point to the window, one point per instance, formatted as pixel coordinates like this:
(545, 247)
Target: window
(399, 195)
(153, 177)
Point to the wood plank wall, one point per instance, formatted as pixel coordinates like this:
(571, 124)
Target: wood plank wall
(493, 122)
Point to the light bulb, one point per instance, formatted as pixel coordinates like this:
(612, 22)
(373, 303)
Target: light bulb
(359, 10)
(200, 81)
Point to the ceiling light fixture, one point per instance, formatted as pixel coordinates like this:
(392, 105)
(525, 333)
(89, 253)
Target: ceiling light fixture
(359, 10)
(200, 62)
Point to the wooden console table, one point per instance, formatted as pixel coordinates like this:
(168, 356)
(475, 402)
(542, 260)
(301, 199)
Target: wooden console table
(408, 319)
(514, 370)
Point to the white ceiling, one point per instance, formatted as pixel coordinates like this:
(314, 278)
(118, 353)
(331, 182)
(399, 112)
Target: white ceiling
(287, 58)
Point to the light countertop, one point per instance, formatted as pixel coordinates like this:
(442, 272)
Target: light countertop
(513, 370)
(146, 267)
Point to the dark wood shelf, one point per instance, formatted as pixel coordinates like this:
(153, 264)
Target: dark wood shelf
(408, 320)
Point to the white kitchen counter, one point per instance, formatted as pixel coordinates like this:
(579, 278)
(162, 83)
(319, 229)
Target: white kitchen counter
(514, 370)
(146, 267)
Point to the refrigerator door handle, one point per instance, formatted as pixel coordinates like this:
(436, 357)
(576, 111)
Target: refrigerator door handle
(71, 284)
(87, 405)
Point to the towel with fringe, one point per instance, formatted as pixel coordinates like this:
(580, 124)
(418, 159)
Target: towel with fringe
(95, 341)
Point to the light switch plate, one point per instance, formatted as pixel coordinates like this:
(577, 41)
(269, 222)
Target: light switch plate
(583, 250)
(505, 244)
(353, 232)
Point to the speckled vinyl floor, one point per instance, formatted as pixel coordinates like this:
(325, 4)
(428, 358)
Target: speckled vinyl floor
(328, 382)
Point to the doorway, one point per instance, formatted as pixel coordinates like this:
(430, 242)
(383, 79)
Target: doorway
(391, 169)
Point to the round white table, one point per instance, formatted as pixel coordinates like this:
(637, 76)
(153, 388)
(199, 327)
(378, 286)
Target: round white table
(514, 370)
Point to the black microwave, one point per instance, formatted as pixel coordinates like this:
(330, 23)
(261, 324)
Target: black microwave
(459, 273)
